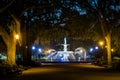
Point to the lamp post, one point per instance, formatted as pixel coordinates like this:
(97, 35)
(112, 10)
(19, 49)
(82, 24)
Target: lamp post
(33, 52)
(91, 54)
(39, 54)
(101, 43)
(18, 50)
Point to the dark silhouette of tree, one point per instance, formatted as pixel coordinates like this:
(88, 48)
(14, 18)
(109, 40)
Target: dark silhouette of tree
(48, 18)
(14, 15)
(105, 12)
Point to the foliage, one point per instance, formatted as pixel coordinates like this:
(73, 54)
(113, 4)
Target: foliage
(7, 69)
(88, 19)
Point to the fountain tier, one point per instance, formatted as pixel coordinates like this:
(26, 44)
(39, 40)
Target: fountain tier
(65, 55)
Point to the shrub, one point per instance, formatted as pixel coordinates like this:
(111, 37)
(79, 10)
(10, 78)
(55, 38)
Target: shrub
(9, 70)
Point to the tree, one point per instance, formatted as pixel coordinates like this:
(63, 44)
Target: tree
(115, 41)
(104, 11)
(10, 39)
(11, 24)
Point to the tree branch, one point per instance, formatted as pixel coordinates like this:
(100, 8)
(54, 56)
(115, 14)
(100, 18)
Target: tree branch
(16, 27)
(4, 35)
(5, 7)
(37, 7)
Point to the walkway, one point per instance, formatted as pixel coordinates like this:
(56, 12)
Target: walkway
(68, 72)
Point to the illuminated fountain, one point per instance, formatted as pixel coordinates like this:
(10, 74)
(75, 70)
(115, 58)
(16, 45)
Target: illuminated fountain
(63, 56)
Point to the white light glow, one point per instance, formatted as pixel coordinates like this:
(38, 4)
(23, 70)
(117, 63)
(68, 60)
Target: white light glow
(91, 49)
(40, 50)
(96, 47)
(33, 47)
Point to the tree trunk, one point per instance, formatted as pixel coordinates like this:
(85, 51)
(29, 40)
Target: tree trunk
(107, 36)
(11, 53)
(10, 39)
(108, 43)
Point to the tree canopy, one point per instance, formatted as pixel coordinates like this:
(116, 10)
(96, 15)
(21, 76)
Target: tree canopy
(50, 20)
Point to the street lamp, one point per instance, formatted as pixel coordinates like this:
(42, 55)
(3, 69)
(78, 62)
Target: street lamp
(33, 56)
(39, 54)
(101, 43)
(17, 36)
(33, 47)
(96, 47)
(91, 49)
(112, 50)
(40, 50)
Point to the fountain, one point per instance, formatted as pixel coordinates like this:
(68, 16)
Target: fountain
(63, 56)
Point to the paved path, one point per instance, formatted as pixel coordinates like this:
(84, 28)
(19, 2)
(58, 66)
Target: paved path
(64, 71)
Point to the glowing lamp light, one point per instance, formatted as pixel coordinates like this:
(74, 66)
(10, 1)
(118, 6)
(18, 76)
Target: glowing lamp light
(40, 50)
(96, 47)
(91, 49)
(26, 46)
(33, 47)
(17, 36)
(101, 43)
(112, 50)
